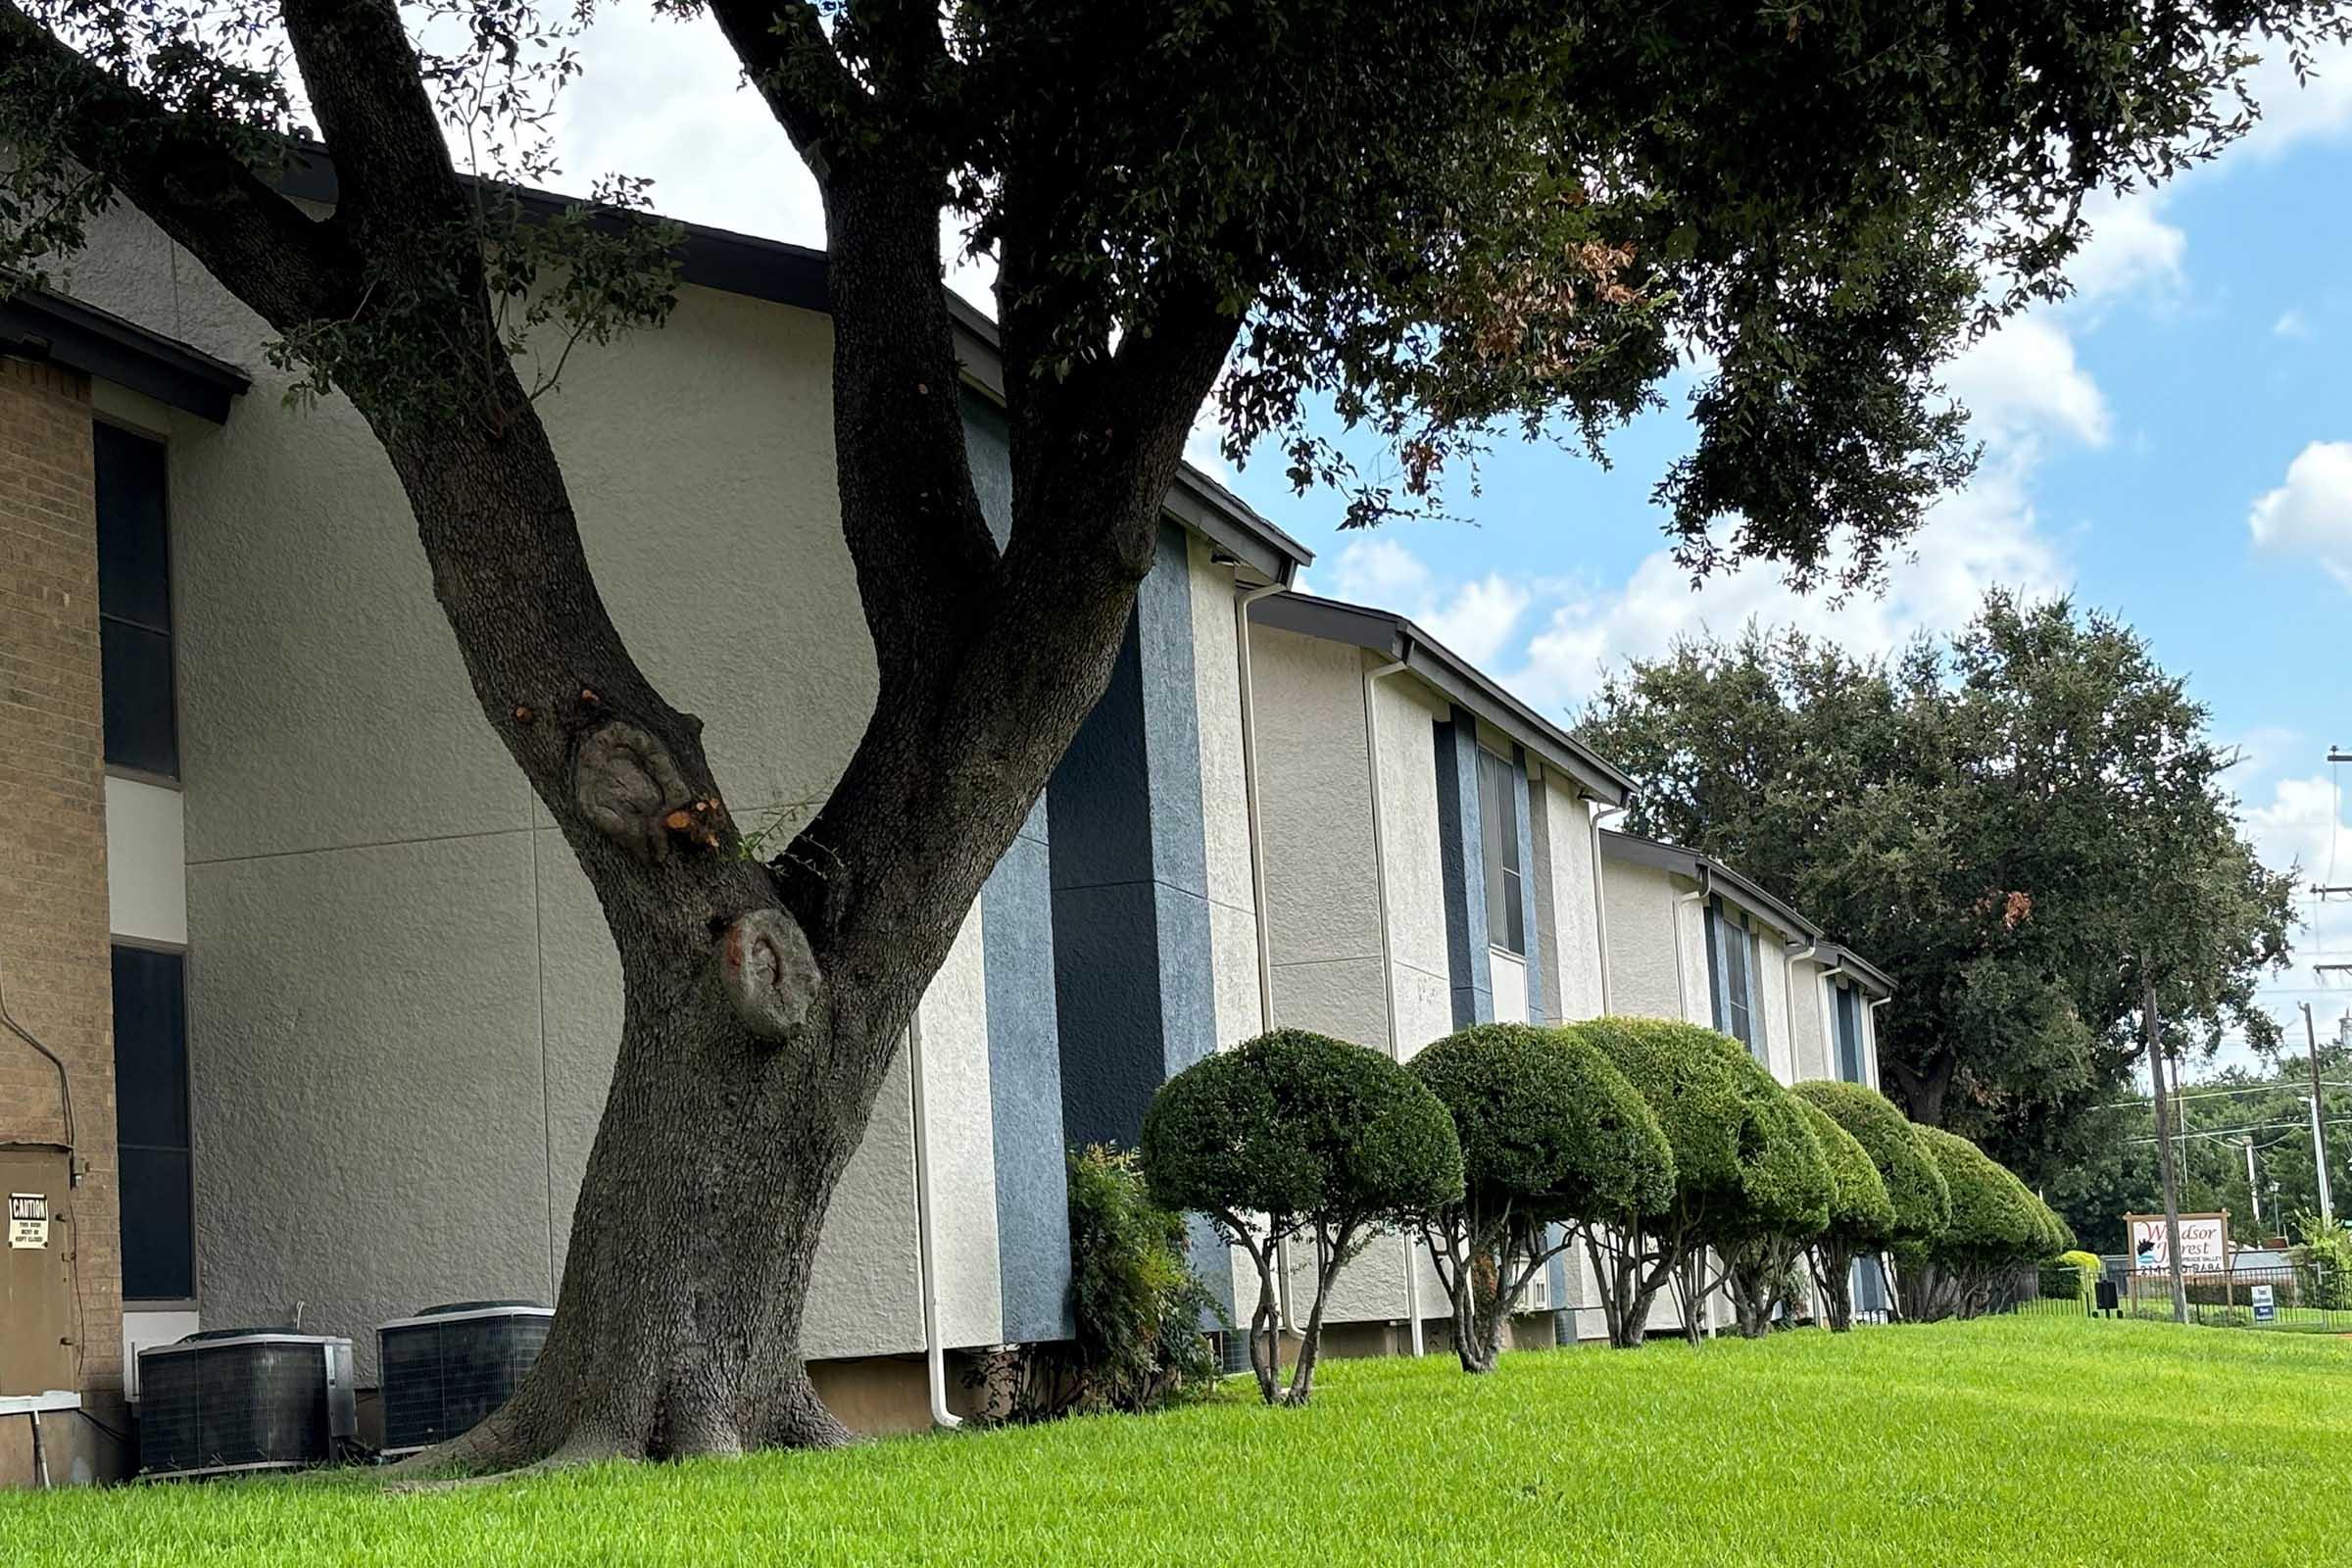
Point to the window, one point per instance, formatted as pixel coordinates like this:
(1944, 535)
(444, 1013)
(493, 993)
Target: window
(1732, 955)
(135, 603)
(1849, 1033)
(1498, 848)
(151, 1126)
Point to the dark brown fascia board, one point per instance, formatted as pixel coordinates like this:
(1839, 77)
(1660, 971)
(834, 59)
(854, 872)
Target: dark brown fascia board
(1397, 639)
(36, 324)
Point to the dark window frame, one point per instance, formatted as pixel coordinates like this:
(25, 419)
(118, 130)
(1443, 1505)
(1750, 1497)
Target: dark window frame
(1731, 933)
(1845, 1010)
(136, 626)
(1504, 875)
(131, 1209)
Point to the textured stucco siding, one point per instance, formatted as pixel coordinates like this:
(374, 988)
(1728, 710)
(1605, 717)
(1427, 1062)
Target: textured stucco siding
(1647, 964)
(1224, 796)
(403, 1003)
(1409, 713)
(1567, 923)
(1772, 989)
(1808, 1026)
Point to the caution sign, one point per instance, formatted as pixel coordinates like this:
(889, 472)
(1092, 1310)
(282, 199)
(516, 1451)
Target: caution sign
(29, 1219)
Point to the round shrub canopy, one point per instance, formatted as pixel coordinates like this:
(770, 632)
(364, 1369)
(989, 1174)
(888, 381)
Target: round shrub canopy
(1299, 1124)
(1993, 1214)
(1547, 1124)
(1860, 1211)
(1744, 1162)
(1915, 1187)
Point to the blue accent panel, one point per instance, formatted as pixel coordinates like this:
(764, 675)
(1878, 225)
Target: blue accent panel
(1131, 957)
(1464, 869)
(1526, 885)
(1024, 1075)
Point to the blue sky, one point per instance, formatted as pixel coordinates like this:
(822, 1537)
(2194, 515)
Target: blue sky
(2174, 445)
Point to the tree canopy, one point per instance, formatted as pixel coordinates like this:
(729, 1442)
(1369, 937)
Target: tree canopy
(1919, 1205)
(1859, 1213)
(2003, 822)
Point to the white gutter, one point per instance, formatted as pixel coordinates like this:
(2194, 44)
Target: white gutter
(1388, 956)
(926, 1243)
(1594, 811)
(1241, 601)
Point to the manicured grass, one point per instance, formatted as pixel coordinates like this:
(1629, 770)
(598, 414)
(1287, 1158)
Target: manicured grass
(2041, 1442)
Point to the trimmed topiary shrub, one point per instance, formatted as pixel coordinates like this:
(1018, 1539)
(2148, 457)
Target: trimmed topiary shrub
(1552, 1137)
(1997, 1225)
(1920, 1205)
(1296, 1134)
(2071, 1276)
(1746, 1167)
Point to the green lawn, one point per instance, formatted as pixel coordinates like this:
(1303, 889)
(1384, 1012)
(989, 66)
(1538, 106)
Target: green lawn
(2036, 1441)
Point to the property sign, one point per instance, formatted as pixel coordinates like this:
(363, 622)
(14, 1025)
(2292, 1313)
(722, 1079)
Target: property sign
(2265, 1305)
(2204, 1244)
(28, 1219)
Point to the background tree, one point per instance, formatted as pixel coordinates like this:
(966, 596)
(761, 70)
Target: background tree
(1917, 1204)
(1438, 220)
(1299, 1136)
(1998, 822)
(1553, 1138)
(1744, 1166)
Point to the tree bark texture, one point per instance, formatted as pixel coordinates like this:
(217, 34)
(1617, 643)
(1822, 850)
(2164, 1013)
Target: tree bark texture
(1834, 1276)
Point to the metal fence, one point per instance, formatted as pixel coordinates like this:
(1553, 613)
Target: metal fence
(2306, 1298)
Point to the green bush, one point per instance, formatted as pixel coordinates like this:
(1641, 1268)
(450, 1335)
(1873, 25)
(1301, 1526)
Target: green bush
(2073, 1275)
(1136, 1302)
(2322, 1264)
(1860, 1212)
(1746, 1166)
(1296, 1134)
(1552, 1134)
(1997, 1227)
(1915, 1186)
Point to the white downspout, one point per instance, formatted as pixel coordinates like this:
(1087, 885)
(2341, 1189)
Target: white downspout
(1600, 899)
(1682, 975)
(1788, 993)
(1388, 956)
(1243, 599)
(926, 1246)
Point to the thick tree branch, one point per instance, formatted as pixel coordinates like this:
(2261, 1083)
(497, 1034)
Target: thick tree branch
(796, 73)
(185, 177)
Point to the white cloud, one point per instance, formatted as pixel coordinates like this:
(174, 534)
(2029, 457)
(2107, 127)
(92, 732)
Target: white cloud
(1979, 539)
(2311, 514)
(2290, 324)
(2023, 381)
(2130, 247)
(1476, 618)
(1203, 443)
(2317, 109)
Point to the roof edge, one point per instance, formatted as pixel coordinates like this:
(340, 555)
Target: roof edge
(1639, 850)
(37, 324)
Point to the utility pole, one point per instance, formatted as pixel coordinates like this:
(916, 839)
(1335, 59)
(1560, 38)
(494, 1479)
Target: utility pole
(2253, 1192)
(2318, 1135)
(2164, 1139)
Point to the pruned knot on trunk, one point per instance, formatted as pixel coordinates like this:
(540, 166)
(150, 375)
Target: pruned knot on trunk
(769, 975)
(628, 784)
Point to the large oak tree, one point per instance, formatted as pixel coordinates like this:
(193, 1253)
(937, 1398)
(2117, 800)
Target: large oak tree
(1436, 220)
(2007, 823)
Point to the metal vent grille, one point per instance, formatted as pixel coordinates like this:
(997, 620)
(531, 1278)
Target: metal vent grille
(447, 1368)
(242, 1401)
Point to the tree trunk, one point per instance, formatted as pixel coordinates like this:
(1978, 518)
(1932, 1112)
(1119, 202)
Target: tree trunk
(1834, 1273)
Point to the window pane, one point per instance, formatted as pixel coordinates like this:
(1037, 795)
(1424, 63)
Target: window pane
(134, 565)
(158, 1240)
(136, 670)
(151, 1049)
(1498, 851)
(151, 1125)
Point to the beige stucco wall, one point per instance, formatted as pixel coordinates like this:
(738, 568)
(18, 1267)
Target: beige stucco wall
(1808, 1023)
(400, 995)
(1566, 922)
(1657, 952)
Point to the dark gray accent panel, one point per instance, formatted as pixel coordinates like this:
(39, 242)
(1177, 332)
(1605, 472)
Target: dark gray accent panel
(1133, 966)
(1527, 886)
(1024, 1076)
(1464, 871)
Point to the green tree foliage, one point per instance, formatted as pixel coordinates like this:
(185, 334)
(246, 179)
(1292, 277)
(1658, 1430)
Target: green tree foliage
(1552, 1137)
(1746, 1167)
(1997, 1227)
(1999, 822)
(1297, 1135)
(1862, 1210)
(1920, 1203)
(1134, 1301)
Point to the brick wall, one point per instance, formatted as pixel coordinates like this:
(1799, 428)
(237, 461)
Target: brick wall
(53, 899)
